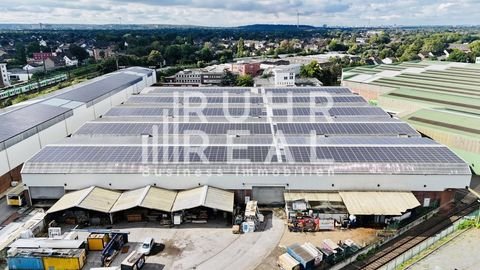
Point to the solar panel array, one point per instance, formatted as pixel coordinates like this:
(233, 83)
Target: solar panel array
(355, 138)
(347, 129)
(106, 128)
(155, 111)
(171, 154)
(335, 111)
(364, 154)
(195, 99)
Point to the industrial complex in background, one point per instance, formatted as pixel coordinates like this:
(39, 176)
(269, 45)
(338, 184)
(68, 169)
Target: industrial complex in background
(439, 99)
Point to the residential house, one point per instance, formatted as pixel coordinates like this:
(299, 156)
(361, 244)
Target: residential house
(40, 56)
(477, 60)
(33, 67)
(4, 79)
(360, 40)
(69, 59)
(388, 60)
(464, 47)
(102, 53)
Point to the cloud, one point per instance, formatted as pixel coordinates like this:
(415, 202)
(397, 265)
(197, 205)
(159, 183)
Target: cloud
(241, 12)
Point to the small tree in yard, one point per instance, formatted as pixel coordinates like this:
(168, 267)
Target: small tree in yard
(228, 79)
(245, 80)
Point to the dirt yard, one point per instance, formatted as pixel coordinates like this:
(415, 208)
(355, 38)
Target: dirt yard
(361, 236)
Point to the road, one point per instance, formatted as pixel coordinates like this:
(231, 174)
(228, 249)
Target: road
(5, 210)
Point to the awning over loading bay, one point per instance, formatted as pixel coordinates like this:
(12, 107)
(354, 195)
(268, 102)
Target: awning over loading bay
(387, 203)
(378, 202)
(110, 201)
(204, 196)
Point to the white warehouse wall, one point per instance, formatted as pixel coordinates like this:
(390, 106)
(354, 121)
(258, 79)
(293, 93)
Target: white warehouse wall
(20, 152)
(53, 134)
(299, 182)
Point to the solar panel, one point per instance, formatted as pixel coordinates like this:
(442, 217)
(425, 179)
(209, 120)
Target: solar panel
(219, 90)
(318, 100)
(135, 154)
(339, 128)
(107, 85)
(29, 118)
(155, 111)
(106, 128)
(359, 141)
(194, 99)
(365, 154)
(307, 90)
(335, 111)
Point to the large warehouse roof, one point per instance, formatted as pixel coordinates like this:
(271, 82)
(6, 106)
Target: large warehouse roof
(20, 123)
(440, 99)
(113, 144)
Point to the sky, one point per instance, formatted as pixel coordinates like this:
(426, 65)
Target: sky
(243, 12)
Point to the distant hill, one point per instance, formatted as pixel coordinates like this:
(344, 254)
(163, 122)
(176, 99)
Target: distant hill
(275, 27)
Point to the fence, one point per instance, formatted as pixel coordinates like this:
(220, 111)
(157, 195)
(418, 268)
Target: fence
(407, 255)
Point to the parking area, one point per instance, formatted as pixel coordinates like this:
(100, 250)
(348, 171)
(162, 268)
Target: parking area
(199, 246)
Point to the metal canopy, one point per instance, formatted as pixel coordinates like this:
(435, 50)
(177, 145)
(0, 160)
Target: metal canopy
(378, 202)
(204, 196)
(147, 197)
(92, 198)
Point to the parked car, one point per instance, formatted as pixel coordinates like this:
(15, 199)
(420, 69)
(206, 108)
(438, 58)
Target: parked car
(147, 246)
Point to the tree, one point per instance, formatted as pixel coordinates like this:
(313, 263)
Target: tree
(228, 79)
(33, 47)
(377, 39)
(458, 56)
(311, 70)
(20, 54)
(475, 48)
(387, 52)
(79, 52)
(155, 58)
(433, 45)
(107, 65)
(334, 45)
(245, 80)
(205, 54)
(240, 47)
(353, 49)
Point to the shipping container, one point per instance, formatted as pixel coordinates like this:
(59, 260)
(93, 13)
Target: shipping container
(25, 263)
(306, 260)
(97, 241)
(287, 262)
(65, 259)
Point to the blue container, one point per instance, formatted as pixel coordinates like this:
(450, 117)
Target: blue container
(306, 260)
(25, 263)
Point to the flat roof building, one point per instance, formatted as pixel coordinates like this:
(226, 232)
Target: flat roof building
(439, 99)
(258, 142)
(27, 128)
